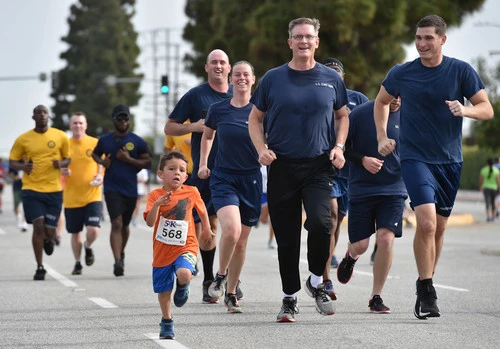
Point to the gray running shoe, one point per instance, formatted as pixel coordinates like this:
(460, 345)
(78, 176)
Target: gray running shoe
(207, 299)
(324, 304)
(288, 310)
(239, 292)
(217, 287)
(231, 302)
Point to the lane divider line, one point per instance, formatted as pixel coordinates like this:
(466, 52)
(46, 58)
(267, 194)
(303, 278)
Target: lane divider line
(165, 343)
(103, 303)
(59, 277)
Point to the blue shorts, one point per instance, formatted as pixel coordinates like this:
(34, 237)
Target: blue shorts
(38, 205)
(239, 190)
(164, 277)
(366, 215)
(339, 191)
(432, 184)
(78, 217)
(120, 205)
(203, 186)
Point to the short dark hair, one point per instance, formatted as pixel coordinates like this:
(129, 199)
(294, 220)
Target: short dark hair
(172, 155)
(38, 107)
(435, 21)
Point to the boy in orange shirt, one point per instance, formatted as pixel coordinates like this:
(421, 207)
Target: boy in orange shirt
(175, 246)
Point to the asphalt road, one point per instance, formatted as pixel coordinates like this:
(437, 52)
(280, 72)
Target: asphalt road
(98, 310)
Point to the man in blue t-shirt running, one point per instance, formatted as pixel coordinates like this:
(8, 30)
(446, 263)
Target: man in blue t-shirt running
(293, 107)
(433, 89)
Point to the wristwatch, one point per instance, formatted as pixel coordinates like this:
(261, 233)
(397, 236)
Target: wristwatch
(340, 145)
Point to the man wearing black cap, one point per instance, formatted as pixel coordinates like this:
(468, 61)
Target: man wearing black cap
(125, 154)
(339, 199)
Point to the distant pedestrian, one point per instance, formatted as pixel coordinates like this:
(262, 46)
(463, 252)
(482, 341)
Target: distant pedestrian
(175, 251)
(46, 151)
(125, 154)
(489, 182)
(142, 192)
(17, 185)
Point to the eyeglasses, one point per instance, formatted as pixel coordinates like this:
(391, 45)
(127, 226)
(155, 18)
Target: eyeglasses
(122, 118)
(300, 37)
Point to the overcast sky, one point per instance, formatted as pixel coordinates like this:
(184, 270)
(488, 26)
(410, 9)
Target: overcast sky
(30, 33)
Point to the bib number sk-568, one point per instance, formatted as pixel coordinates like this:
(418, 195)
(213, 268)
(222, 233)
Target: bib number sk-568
(172, 232)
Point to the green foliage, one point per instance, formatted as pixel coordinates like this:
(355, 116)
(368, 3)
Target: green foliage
(487, 133)
(101, 42)
(366, 35)
(474, 159)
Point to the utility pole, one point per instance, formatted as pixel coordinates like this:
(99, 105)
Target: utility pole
(155, 87)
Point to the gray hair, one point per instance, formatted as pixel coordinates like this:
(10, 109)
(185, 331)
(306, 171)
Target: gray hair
(303, 20)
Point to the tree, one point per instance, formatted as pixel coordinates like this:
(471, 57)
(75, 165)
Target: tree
(486, 133)
(102, 42)
(366, 35)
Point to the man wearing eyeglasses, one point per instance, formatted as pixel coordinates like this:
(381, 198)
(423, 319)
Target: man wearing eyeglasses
(125, 154)
(293, 105)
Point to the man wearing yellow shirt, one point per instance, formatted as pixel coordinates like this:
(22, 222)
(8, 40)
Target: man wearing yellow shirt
(46, 151)
(82, 194)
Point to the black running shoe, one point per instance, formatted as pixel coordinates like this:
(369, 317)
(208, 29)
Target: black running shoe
(48, 246)
(77, 270)
(377, 305)
(118, 268)
(345, 268)
(426, 304)
(89, 256)
(40, 273)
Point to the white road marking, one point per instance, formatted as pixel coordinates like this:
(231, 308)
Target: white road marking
(61, 278)
(165, 343)
(103, 303)
(2, 232)
(451, 288)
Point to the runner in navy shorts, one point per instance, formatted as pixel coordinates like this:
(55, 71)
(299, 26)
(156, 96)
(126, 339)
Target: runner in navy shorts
(367, 216)
(238, 190)
(77, 218)
(429, 184)
(37, 205)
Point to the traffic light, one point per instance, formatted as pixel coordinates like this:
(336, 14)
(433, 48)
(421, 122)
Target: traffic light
(55, 80)
(164, 85)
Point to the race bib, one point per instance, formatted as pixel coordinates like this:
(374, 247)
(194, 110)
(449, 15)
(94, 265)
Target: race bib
(172, 232)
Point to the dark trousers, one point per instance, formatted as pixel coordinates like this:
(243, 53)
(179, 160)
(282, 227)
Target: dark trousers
(291, 184)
